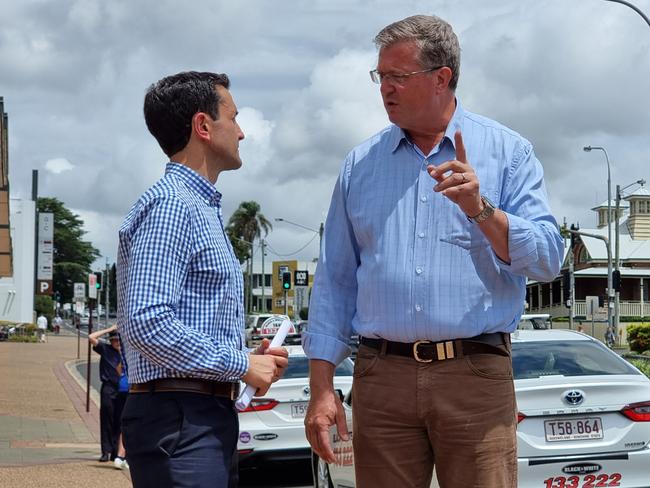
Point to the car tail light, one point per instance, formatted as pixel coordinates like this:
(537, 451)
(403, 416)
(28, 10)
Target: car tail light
(244, 451)
(520, 417)
(261, 404)
(638, 412)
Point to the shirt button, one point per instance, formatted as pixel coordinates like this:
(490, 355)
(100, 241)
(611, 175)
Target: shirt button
(421, 235)
(423, 198)
(418, 308)
(418, 270)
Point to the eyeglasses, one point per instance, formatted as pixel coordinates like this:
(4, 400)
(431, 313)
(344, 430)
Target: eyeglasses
(398, 78)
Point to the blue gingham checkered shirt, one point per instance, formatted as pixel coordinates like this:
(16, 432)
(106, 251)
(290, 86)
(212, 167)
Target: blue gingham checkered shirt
(402, 262)
(179, 283)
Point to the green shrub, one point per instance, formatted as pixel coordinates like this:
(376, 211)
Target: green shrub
(638, 337)
(23, 338)
(642, 365)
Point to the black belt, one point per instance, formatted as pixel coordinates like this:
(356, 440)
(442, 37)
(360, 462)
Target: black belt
(428, 351)
(188, 385)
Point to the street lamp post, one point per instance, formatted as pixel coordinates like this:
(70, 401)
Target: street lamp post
(610, 291)
(633, 7)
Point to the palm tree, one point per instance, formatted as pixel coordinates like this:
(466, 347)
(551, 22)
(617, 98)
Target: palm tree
(244, 226)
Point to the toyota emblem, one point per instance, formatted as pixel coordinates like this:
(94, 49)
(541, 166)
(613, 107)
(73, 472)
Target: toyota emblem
(306, 390)
(574, 397)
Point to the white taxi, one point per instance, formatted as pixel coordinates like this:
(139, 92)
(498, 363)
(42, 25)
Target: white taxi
(584, 417)
(272, 428)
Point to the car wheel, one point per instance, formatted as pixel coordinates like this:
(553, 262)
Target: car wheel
(322, 475)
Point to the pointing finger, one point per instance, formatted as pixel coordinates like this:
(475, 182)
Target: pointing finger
(460, 148)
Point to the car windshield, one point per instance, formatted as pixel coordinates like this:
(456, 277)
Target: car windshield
(299, 368)
(567, 358)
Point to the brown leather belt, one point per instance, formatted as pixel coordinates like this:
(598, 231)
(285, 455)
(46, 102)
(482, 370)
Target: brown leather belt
(188, 385)
(428, 351)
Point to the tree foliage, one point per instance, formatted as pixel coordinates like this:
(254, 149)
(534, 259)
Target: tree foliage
(72, 255)
(244, 226)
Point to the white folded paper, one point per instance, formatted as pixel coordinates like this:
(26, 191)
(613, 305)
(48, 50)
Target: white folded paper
(246, 397)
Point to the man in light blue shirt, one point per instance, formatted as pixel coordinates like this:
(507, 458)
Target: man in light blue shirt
(434, 224)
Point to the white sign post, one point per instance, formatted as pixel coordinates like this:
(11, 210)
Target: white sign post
(592, 307)
(45, 253)
(79, 292)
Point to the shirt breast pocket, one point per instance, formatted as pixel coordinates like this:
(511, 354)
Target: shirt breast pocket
(463, 233)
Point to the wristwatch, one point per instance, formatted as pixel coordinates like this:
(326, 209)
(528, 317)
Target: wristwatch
(488, 209)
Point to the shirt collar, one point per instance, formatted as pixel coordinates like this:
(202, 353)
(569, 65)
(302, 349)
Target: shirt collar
(194, 181)
(398, 135)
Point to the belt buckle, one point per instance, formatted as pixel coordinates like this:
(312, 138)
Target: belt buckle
(234, 391)
(416, 354)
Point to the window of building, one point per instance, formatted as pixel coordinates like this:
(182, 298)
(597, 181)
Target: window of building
(632, 208)
(642, 207)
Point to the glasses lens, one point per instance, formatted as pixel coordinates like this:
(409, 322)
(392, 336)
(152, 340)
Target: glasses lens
(375, 77)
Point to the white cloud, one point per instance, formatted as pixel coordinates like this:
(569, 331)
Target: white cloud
(74, 73)
(58, 165)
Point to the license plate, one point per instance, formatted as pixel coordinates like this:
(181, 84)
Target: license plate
(573, 429)
(298, 410)
(585, 481)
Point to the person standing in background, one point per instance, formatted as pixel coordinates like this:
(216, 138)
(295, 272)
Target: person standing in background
(110, 407)
(41, 324)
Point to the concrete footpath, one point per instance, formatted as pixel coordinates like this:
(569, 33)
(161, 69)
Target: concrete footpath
(47, 439)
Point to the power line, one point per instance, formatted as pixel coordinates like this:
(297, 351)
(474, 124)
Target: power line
(268, 246)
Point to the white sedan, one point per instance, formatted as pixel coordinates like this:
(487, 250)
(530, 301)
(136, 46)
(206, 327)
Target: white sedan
(584, 417)
(272, 428)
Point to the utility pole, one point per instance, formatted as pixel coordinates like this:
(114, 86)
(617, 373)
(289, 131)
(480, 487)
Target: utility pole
(90, 331)
(263, 277)
(107, 289)
(35, 199)
(572, 281)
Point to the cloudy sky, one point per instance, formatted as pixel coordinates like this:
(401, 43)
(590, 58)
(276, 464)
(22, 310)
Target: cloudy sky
(563, 73)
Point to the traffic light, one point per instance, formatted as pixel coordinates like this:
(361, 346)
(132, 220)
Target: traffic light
(566, 282)
(98, 283)
(573, 236)
(616, 280)
(286, 280)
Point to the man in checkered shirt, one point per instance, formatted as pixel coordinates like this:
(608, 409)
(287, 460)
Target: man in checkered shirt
(180, 295)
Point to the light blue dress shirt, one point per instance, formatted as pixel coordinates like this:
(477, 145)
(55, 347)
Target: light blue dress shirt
(180, 287)
(402, 262)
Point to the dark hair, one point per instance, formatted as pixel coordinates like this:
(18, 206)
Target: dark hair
(170, 104)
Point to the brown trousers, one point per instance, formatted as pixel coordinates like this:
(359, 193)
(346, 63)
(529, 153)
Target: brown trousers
(458, 413)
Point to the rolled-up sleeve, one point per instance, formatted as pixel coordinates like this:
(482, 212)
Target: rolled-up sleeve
(534, 242)
(334, 295)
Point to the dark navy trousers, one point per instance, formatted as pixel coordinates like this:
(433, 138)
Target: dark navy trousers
(181, 440)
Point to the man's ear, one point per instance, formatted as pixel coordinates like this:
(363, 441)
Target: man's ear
(442, 78)
(201, 125)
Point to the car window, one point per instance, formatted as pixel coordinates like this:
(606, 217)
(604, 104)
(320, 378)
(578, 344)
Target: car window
(299, 368)
(572, 358)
